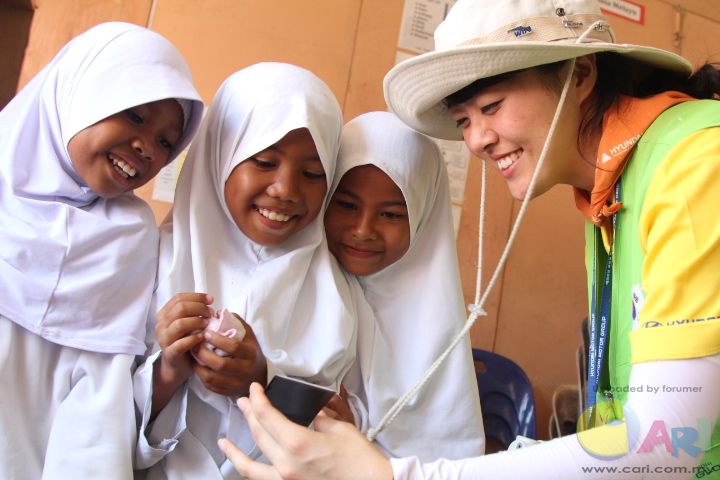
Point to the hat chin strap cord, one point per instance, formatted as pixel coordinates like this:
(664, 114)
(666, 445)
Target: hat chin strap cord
(476, 309)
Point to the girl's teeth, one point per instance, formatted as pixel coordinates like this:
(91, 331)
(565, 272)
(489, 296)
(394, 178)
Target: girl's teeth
(278, 217)
(507, 161)
(504, 163)
(123, 167)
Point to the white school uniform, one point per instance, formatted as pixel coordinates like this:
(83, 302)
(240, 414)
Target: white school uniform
(294, 295)
(416, 306)
(76, 270)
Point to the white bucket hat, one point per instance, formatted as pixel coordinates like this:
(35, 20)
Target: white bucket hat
(483, 38)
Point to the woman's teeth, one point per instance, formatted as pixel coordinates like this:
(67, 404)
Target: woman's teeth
(278, 217)
(123, 167)
(505, 162)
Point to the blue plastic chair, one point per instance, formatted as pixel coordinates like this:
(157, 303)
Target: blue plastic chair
(506, 397)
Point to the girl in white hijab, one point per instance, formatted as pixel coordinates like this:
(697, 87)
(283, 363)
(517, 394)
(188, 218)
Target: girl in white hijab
(412, 285)
(258, 249)
(79, 249)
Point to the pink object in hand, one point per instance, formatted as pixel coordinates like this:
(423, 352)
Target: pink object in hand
(227, 325)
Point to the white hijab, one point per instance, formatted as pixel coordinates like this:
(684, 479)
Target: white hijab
(78, 269)
(294, 295)
(417, 304)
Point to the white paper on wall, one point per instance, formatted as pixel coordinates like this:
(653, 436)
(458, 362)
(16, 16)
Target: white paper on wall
(419, 21)
(457, 158)
(164, 185)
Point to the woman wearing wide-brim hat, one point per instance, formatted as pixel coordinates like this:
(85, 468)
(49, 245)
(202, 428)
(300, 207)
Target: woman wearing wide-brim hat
(541, 90)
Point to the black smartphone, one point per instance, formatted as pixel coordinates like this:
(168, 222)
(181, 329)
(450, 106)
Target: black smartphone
(298, 400)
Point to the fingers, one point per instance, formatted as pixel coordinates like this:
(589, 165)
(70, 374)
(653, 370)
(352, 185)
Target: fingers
(276, 436)
(174, 348)
(336, 450)
(183, 328)
(248, 347)
(244, 465)
(271, 444)
(177, 306)
(249, 333)
(267, 445)
(245, 348)
(237, 360)
(181, 316)
(227, 375)
(340, 408)
(243, 358)
(329, 412)
(222, 384)
(183, 305)
(327, 424)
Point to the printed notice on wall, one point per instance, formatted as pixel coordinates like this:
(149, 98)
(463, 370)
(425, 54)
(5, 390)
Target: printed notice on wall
(625, 9)
(457, 157)
(419, 21)
(164, 186)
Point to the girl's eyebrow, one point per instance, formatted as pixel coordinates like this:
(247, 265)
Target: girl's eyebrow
(276, 148)
(349, 193)
(398, 203)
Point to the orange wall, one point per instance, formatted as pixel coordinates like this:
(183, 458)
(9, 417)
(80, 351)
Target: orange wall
(56, 22)
(15, 20)
(534, 311)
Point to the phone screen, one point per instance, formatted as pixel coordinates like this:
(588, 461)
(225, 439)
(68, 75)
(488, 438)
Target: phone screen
(298, 400)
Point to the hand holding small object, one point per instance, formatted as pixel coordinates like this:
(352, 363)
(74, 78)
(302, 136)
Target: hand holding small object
(178, 328)
(230, 358)
(226, 324)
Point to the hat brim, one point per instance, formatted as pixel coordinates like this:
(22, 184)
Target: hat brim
(415, 89)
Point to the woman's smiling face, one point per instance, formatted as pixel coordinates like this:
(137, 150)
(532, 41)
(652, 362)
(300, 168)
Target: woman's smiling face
(507, 123)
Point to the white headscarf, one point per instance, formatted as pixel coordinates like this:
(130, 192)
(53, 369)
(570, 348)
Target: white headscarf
(75, 268)
(417, 304)
(294, 295)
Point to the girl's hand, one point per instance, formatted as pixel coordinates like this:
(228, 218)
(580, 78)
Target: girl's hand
(336, 450)
(339, 408)
(178, 328)
(231, 375)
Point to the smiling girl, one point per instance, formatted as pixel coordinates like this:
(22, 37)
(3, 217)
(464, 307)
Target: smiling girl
(389, 223)
(79, 249)
(245, 234)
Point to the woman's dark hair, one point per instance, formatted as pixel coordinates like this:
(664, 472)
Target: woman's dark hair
(468, 92)
(617, 75)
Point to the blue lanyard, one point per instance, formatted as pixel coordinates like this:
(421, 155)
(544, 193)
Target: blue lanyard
(598, 331)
